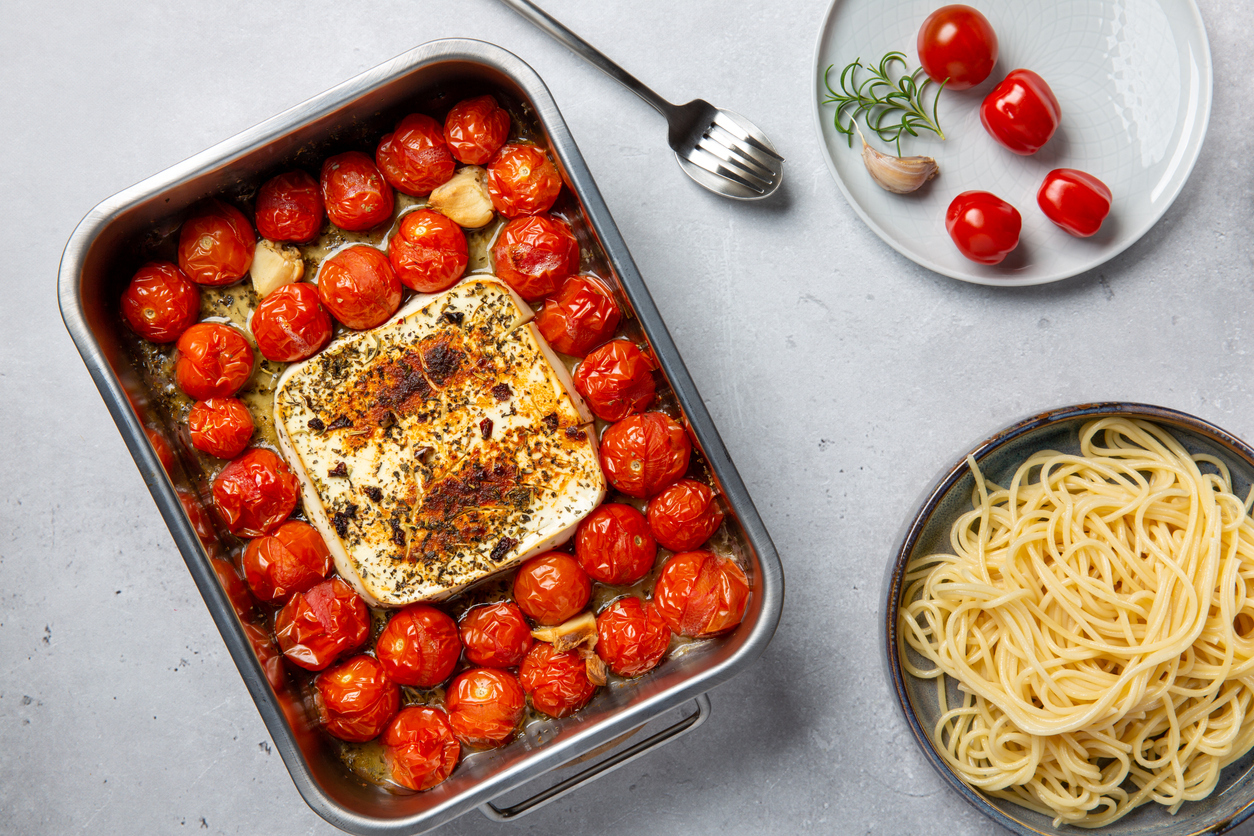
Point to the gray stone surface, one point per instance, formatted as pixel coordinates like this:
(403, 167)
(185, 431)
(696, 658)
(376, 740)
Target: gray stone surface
(841, 376)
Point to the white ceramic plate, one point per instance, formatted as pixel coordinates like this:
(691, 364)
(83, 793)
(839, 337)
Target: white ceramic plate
(1133, 78)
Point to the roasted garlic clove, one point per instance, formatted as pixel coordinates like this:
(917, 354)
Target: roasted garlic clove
(594, 666)
(275, 265)
(580, 630)
(899, 175)
(464, 199)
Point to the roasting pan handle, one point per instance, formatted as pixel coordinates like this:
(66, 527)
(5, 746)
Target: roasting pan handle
(605, 767)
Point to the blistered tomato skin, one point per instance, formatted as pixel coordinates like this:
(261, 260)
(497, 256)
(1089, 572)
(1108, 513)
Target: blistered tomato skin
(359, 287)
(684, 516)
(485, 706)
(701, 594)
(214, 361)
(614, 546)
(523, 181)
(1074, 200)
(428, 251)
(220, 427)
(415, 158)
(535, 255)
(420, 747)
(291, 324)
(983, 227)
(551, 587)
(160, 303)
(616, 380)
(419, 646)
(632, 637)
(356, 700)
(1021, 112)
(315, 628)
(293, 559)
(475, 129)
(289, 208)
(255, 493)
(199, 518)
(556, 680)
(236, 591)
(579, 317)
(268, 655)
(354, 192)
(642, 454)
(216, 244)
(162, 448)
(957, 43)
(495, 635)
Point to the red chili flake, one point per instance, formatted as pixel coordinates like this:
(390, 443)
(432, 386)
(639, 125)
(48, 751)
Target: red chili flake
(550, 421)
(574, 433)
(502, 548)
(316, 424)
(485, 427)
(375, 493)
(501, 392)
(340, 469)
(340, 423)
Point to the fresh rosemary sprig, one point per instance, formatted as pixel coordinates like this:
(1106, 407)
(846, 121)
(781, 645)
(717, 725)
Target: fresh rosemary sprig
(878, 96)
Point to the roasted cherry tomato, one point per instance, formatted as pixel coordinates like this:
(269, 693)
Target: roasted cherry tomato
(684, 515)
(642, 454)
(160, 303)
(268, 655)
(614, 545)
(291, 324)
(1021, 112)
(551, 587)
(199, 518)
(420, 748)
(354, 192)
(475, 129)
(616, 380)
(419, 646)
(255, 493)
(522, 181)
(161, 447)
(220, 427)
(957, 43)
(236, 592)
(292, 559)
(315, 628)
(495, 635)
(214, 361)
(535, 255)
(984, 227)
(701, 593)
(485, 706)
(579, 317)
(415, 158)
(428, 251)
(216, 244)
(632, 637)
(356, 700)
(556, 680)
(359, 287)
(1075, 200)
(289, 208)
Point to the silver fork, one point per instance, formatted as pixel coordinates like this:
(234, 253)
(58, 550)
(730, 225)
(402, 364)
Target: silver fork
(721, 150)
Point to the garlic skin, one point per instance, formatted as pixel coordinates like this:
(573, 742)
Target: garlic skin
(899, 175)
(464, 199)
(275, 265)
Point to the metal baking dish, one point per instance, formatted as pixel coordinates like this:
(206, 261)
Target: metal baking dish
(100, 257)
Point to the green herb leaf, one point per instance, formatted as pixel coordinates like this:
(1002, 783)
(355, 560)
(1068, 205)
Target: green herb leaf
(879, 100)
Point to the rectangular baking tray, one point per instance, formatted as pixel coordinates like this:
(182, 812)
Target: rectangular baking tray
(99, 259)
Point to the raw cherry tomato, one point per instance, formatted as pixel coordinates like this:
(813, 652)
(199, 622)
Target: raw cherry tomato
(291, 324)
(551, 587)
(354, 192)
(475, 129)
(1021, 112)
(161, 447)
(632, 637)
(419, 646)
(236, 592)
(556, 680)
(293, 559)
(420, 748)
(957, 43)
(255, 493)
(216, 244)
(485, 706)
(535, 255)
(314, 628)
(701, 593)
(984, 227)
(356, 700)
(522, 181)
(1076, 201)
(359, 287)
(616, 380)
(214, 361)
(496, 635)
(415, 158)
(642, 454)
(614, 545)
(160, 303)
(684, 515)
(428, 251)
(289, 208)
(220, 427)
(581, 316)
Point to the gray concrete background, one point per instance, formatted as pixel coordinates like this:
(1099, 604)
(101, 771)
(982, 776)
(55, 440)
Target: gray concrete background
(841, 376)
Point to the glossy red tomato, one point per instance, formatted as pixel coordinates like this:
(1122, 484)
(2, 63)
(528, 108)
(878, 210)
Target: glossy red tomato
(420, 748)
(495, 635)
(359, 287)
(199, 519)
(684, 515)
(268, 655)
(236, 592)
(957, 43)
(356, 700)
(579, 317)
(216, 244)
(701, 593)
(291, 324)
(475, 129)
(220, 427)
(289, 207)
(632, 637)
(160, 303)
(1021, 112)
(556, 680)
(551, 587)
(614, 545)
(315, 628)
(1074, 200)
(292, 559)
(485, 706)
(616, 380)
(984, 227)
(415, 158)
(419, 646)
(214, 361)
(642, 454)
(523, 181)
(161, 447)
(255, 493)
(428, 251)
(354, 192)
(535, 255)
